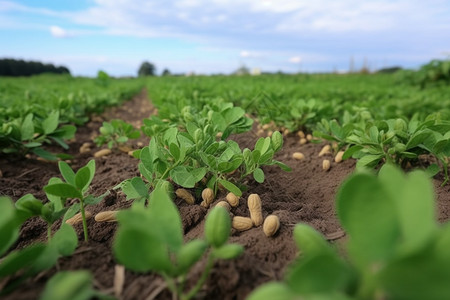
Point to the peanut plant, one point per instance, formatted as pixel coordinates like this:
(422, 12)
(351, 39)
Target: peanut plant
(76, 186)
(396, 249)
(151, 239)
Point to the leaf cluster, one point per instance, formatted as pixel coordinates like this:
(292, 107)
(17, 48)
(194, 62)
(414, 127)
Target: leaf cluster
(396, 141)
(115, 133)
(395, 249)
(151, 239)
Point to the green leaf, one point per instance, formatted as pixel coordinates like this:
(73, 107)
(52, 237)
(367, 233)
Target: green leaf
(417, 139)
(258, 174)
(74, 285)
(432, 170)
(164, 211)
(29, 204)
(228, 251)
(9, 224)
(174, 151)
(271, 291)
(44, 154)
(190, 253)
(323, 273)
(230, 187)
(417, 277)
(141, 250)
(217, 227)
(361, 201)
(65, 240)
(370, 160)
(27, 128)
(20, 259)
(135, 188)
(66, 172)
(32, 145)
(277, 141)
(122, 139)
(82, 178)
(63, 190)
(72, 211)
(309, 241)
(57, 201)
(51, 122)
(352, 150)
(187, 177)
(283, 166)
(414, 199)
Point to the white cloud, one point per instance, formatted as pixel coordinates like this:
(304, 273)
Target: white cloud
(295, 59)
(59, 32)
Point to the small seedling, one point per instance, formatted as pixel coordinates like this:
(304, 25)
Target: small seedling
(151, 239)
(115, 133)
(76, 186)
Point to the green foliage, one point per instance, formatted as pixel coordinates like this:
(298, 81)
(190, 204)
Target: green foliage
(395, 247)
(74, 285)
(392, 141)
(115, 133)
(151, 239)
(76, 186)
(33, 258)
(44, 109)
(191, 146)
(433, 73)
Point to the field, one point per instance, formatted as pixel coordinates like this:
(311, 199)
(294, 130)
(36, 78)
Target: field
(281, 137)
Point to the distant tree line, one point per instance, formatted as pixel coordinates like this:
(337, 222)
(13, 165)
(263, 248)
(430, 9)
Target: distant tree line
(13, 67)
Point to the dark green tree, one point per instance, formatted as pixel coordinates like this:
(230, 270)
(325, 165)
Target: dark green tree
(147, 69)
(166, 72)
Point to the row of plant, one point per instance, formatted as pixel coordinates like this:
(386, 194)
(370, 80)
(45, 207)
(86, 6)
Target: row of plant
(397, 141)
(301, 101)
(45, 109)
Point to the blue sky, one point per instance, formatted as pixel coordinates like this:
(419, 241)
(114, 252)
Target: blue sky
(212, 36)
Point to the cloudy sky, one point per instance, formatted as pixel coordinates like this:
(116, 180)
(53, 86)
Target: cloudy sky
(211, 36)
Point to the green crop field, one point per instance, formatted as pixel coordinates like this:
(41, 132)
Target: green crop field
(201, 192)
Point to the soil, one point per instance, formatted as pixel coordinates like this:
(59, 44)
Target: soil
(306, 194)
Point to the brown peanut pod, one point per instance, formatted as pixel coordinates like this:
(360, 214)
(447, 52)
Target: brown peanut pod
(208, 196)
(102, 152)
(271, 225)
(77, 218)
(326, 165)
(106, 216)
(232, 199)
(185, 195)
(298, 156)
(338, 157)
(254, 206)
(242, 223)
(325, 150)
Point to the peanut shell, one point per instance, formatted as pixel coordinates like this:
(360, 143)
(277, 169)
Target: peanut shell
(271, 225)
(254, 206)
(242, 223)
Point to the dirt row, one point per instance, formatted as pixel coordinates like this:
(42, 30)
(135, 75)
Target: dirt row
(304, 195)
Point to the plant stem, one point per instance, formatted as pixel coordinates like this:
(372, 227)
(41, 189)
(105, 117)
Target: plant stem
(49, 232)
(171, 285)
(84, 219)
(202, 279)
